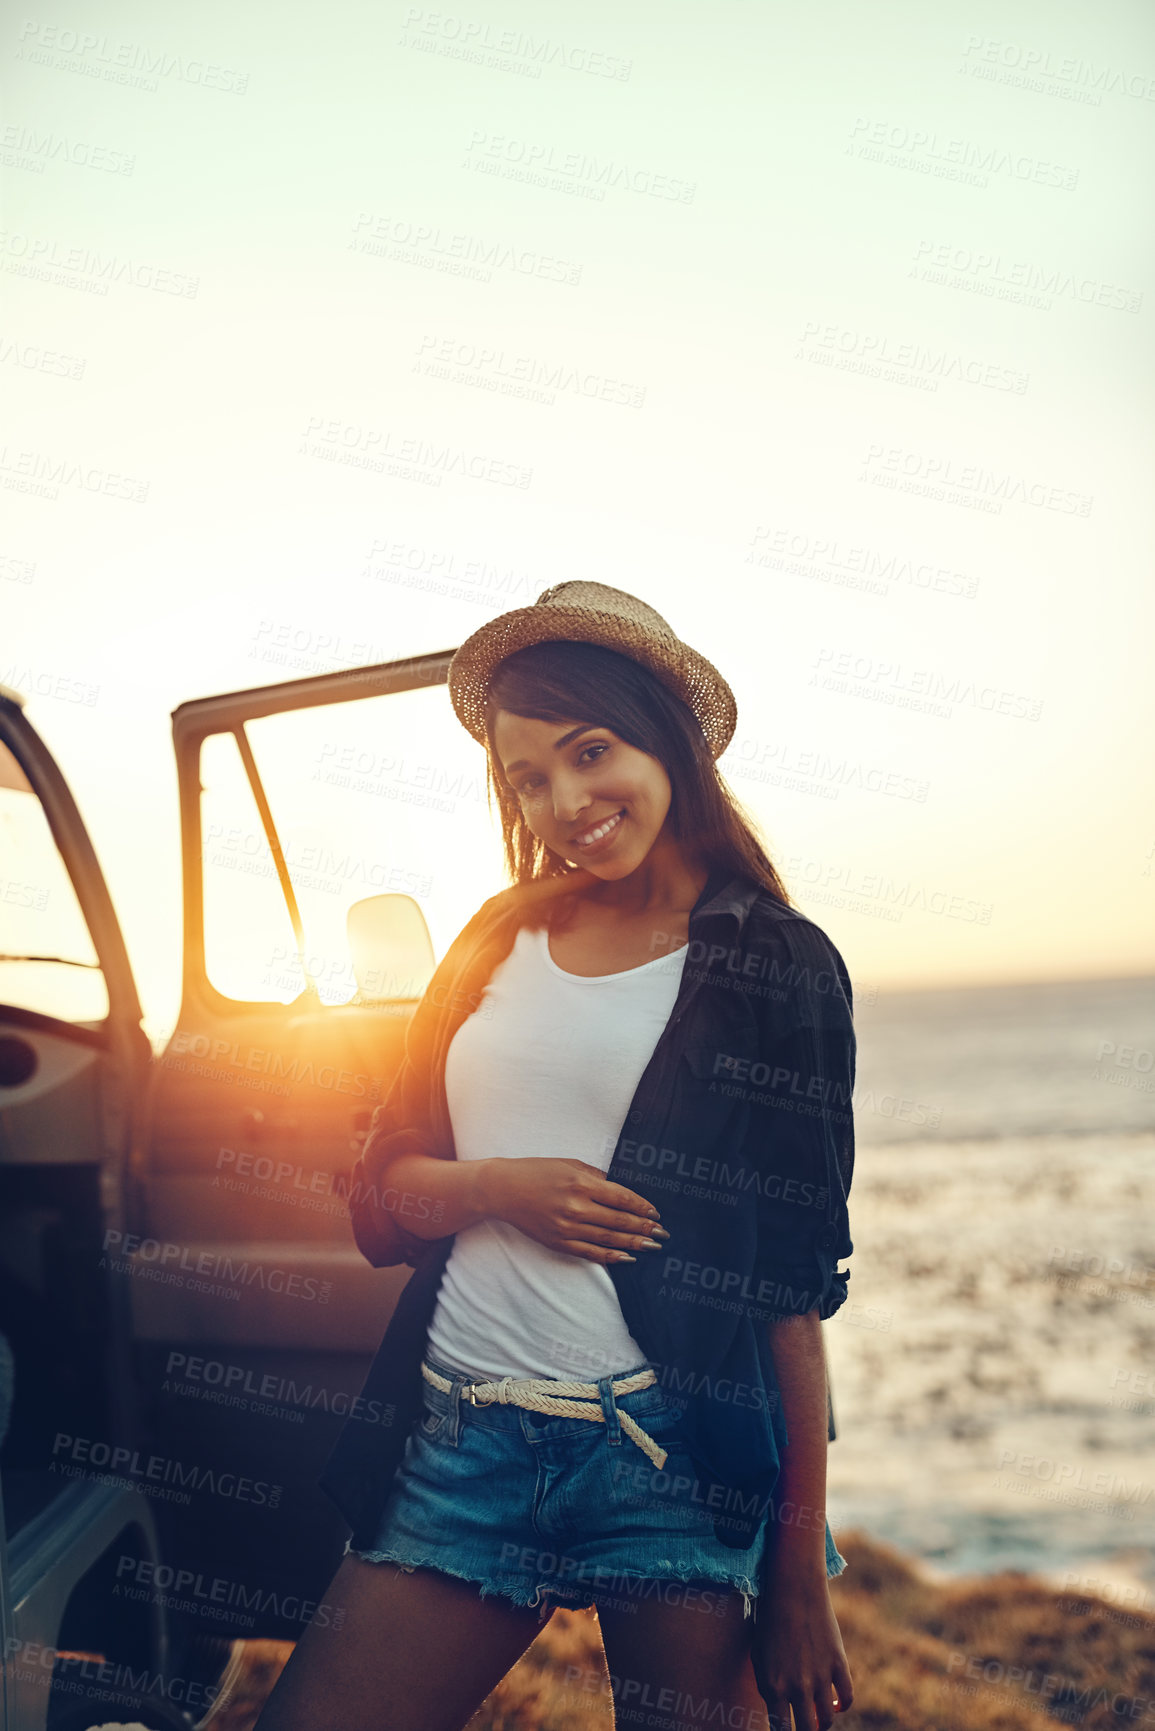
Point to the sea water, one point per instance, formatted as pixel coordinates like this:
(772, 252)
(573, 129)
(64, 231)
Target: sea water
(993, 1370)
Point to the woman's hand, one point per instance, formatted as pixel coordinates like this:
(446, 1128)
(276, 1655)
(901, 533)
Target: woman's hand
(798, 1656)
(570, 1206)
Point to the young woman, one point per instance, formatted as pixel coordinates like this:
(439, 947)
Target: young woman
(617, 1157)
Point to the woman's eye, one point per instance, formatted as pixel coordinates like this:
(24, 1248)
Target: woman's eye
(531, 787)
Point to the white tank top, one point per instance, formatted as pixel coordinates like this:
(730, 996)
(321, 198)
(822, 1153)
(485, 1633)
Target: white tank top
(547, 1064)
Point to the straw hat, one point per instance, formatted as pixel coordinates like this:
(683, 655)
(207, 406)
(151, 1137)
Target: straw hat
(586, 612)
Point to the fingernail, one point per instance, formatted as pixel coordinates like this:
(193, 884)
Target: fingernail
(648, 1244)
(623, 1256)
(658, 1232)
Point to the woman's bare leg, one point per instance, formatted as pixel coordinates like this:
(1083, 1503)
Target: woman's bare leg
(414, 1652)
(678, 1666)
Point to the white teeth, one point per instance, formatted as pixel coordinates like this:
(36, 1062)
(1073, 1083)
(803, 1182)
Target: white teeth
(602, 829)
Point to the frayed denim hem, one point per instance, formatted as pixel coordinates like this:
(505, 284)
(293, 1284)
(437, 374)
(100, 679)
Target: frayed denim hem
(534, 1600)
(667, 1573)
(524, 1601)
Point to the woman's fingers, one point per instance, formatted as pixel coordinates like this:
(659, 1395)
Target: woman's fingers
(843, 1684)
(777, 1712)
(613, 1195)
(593, 1252)
(614, 1222)
(570, 1206)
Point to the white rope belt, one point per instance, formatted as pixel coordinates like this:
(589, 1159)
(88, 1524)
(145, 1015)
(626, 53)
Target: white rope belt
(560, 1400)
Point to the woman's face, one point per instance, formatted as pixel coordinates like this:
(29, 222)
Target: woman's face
(593, 799)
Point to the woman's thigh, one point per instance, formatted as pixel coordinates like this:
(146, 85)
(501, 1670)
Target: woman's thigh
(415, 1651)
(681, 1664)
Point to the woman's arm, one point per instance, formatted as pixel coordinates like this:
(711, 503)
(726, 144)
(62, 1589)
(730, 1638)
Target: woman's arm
(797, 1539)
(799, 1659)
(566, 1205)
(402, 1197)
(431, 1198)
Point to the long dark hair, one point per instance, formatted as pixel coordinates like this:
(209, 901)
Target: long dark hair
(560, 681)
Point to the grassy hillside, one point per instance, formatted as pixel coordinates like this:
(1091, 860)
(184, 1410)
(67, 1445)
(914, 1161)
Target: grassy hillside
(990, 1653)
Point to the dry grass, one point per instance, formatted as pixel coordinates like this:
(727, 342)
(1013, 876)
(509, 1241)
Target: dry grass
(989, 1653)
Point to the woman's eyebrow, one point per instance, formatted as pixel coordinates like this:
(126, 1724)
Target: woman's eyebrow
(558, 745)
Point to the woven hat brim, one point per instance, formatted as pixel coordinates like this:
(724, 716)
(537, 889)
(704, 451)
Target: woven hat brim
(694, 679)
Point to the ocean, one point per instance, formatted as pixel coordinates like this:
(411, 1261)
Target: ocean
(993, 1370)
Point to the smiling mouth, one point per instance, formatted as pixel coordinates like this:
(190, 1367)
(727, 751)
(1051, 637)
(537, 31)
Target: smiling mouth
(599, 832)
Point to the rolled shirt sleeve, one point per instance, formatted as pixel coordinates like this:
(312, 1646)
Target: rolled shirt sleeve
(376, 1205)
(800, 1132)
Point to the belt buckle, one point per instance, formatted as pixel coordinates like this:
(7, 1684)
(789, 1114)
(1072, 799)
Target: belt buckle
(470, 1389)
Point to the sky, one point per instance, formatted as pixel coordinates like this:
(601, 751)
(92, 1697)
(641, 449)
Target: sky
(825, 329)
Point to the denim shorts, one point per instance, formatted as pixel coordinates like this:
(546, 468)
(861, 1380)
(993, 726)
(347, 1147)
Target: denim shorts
(561, 1511)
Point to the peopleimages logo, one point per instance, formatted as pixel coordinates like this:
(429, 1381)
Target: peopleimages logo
(1030, 66)
(731, 1290)
(302, 1072)
(87, 1675)
(163, 1582)
(139, 64)
(488, 151)
(953, 158)
(890, 464)
(120, 1462)
(732, 1180)
(172, 1262)
(754, 964)
(41, 251)
(266, 1392)
(479, 41)
(426, 244)
(781, 1078)
(1016, 280)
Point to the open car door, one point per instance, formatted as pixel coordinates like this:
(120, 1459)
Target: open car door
(327, 823)
(73, 1060)
(74, 1063)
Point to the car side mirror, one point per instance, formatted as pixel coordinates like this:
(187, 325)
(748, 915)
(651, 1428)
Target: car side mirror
(390, 947)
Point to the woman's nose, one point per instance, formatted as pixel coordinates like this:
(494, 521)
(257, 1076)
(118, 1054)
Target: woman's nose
(569, 801)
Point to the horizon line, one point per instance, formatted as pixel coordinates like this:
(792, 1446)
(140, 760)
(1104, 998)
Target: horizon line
(971, 985)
